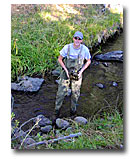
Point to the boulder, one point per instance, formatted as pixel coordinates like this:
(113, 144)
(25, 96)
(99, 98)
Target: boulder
(62, 124)
(80, 120)
(43, 121)
(110, 56)
(46, 129)
(27, 84)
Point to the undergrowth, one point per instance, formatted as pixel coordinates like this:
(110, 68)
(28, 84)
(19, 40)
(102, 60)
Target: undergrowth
(102, 132)
(37, 37)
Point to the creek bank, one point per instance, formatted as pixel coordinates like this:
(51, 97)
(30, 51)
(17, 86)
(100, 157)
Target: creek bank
(42, 125)
(92, 98)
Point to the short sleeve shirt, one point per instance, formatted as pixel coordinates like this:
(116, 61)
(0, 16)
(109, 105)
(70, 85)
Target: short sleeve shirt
(73, 53)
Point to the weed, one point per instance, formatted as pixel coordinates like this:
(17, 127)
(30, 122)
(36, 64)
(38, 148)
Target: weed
(36, 39)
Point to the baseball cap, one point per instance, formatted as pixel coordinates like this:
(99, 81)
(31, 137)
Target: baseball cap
(78, 34)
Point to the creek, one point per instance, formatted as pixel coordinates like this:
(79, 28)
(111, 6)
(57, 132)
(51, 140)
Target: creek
(92, 99)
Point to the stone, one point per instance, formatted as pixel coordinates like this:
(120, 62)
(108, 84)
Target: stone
(110, 56)
(44, 121)
(20, 135)
(114, 84)
(27, 84)
(62, 124)
(81, 120)
(100, 85)
(69, 129)
(46, 129)
(29, 141)
(56, 72)
(105, 64)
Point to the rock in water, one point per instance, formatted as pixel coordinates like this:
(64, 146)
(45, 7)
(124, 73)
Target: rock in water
(28, 84)
(100, 85)
(114, 84)
(110, 56)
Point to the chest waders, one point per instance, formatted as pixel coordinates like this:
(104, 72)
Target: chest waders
(65, 83)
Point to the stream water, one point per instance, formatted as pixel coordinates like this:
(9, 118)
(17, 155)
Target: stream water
(92, 98)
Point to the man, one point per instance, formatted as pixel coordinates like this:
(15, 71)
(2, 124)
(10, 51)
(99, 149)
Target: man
(71, 59)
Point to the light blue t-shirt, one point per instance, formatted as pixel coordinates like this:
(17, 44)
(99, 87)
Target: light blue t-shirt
(73, 53)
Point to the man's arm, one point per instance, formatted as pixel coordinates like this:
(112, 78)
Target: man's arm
(84, 67)
(60, 60)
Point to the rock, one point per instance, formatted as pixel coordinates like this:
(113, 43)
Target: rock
(29, 141)
(80, 120)
(56, 72)
(44, 121)
(20, 135)
(69, 129)
(114, 84)
(100, 85)
(110, 56)
(46, 129)
(95, 63)
(62, 124)
(27, 84)
(105, 64)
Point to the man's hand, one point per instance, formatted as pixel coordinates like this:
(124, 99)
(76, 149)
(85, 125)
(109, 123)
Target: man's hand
(67, 73)
(60, 58)
(79, 75)
(84, 67)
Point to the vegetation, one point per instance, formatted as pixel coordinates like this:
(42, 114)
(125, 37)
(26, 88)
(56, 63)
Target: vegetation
(100, 133)
(38, 35)
(104, 132)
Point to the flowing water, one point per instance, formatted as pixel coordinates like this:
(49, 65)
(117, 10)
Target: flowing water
(92, 99)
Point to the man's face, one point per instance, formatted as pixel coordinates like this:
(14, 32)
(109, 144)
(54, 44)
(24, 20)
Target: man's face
(77, 41)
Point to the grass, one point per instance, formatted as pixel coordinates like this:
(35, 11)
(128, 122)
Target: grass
(37, 37)
(100, 133)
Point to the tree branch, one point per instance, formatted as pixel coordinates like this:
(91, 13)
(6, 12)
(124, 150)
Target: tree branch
(54, 140)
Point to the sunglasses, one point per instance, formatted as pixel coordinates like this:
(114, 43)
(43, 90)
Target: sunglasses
(77, 38)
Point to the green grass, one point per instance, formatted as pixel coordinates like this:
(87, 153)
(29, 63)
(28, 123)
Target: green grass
(100, 133)
(37, 37)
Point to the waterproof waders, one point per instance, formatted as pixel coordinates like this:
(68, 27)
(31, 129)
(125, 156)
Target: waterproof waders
(65, 83)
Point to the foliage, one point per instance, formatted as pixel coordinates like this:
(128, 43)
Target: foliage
(37, 38)
(102, 132)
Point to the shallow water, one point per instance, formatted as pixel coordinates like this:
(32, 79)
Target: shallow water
(92, 98)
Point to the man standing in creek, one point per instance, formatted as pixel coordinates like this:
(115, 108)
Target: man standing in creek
(71, 59)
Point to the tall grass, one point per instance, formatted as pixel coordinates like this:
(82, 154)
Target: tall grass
(37, 38)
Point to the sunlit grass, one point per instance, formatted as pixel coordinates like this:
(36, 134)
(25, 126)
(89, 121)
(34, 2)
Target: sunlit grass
(40, 36)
